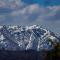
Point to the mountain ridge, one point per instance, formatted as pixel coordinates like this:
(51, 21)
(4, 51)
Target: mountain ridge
(26, 38)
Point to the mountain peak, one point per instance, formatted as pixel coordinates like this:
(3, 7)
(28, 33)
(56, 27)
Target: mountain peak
(25, 38)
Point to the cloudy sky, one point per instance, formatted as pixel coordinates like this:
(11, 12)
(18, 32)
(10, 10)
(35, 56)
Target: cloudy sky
(29, 12)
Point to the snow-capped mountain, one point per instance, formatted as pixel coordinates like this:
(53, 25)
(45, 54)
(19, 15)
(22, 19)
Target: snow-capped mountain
(25, 38)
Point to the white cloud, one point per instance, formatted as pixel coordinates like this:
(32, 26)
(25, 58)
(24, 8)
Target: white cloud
(13, 4)
(30, 14)
(2, 4)
(40, 13)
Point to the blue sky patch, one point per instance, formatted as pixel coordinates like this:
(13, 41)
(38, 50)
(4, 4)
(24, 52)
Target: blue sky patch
(43, 2)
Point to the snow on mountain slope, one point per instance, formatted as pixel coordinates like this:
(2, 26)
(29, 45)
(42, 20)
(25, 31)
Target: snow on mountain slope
(25, 38)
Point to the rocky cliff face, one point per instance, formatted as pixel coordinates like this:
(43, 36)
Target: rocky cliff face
(27, 38)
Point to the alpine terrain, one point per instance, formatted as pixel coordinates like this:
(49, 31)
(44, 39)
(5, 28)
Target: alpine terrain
(27, 38)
